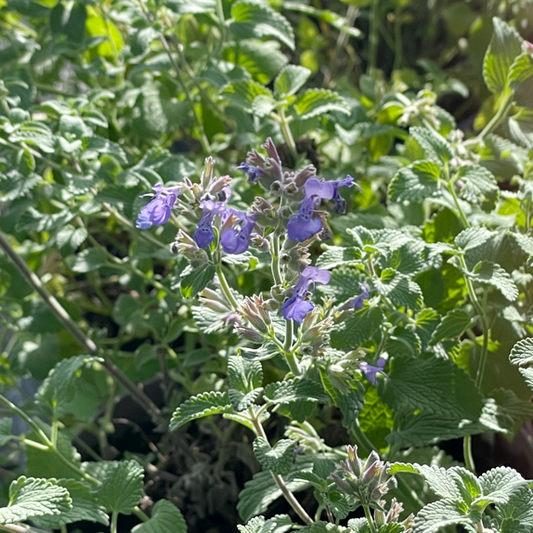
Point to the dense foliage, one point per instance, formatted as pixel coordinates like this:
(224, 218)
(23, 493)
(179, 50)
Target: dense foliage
(310, 219)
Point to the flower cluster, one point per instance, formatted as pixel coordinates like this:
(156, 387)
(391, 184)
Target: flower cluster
(158, 211)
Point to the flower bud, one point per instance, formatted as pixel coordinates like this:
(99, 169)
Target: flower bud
(259, 243)
(275, 188)
(303, 175)
(290, 189)
(249, 334)
(278, 293)
(207, 174)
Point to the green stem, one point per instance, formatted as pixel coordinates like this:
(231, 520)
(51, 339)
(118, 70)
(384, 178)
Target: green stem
(287, 134)
(71, 326)
(114, 520)
(225, 288)
(289, 496)
(369, 518)
(495, 121)
(467, 452)
(12, 528)
(275, 266)
(374, 38)
(140, 514)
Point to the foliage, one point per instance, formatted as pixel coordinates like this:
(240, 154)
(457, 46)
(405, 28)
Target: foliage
(268, 211)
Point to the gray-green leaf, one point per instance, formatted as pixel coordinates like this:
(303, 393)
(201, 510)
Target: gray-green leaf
(205, 404)
(416, 182)
(166, 518)
(278, 458)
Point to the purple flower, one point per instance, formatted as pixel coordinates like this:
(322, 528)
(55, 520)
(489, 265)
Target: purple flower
(302, 225)
(204, 233)
(253, 172)
(296, 308)
(158, 211)
(371, 371)
(237, 242)
(357, 302)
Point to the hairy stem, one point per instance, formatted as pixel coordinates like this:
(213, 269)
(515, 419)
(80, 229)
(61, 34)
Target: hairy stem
(225, 288)
(467, 452)
(495, 121)
(289, 496)
(287, 133)
(369, 518)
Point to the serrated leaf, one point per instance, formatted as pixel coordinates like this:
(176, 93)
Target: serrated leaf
(452, 325)
(517, 514)
(33, 220)
(58, 388)
(335, 256)
(121, 486)
(434, 145)
(196, 280)
(240, 401)
(437, 515)
(357, 329)
(343, 284)
(505, 412)
(522, 352)
(292, 390)
(505, 45)
(500, 483)
(83, 507)
(260, 20)
(35, 134)
(166, 518)
(196, 7)
(521, 79)
(436, 384)
(278, 458)
(205, 404)
(315, 102)
(416, 182)
(243, 93)
(400, 289)
(480, 185)
(488, 273)
(472, 238)
(244, 375)
(31, 497)
(290, 80)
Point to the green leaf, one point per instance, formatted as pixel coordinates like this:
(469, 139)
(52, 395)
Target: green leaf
(452, 325)
(166, 518)
(196, 7)
(357, 329)
(521, 79)
(504, 47)
(343, 284)
(400, 289)
(472, 238)
(84, 507)
(290, 80)
(479, 184)
(260, 20)
(500, 483)
(437, 149)
(58, 389)
(121, 485)
(5, 430)
(517, 514)
(241, 401)
(278, 459)
(488, 273)
(88, 260)
(195, 280)
(522, 356)
(263, 60)
(505, 412)
(244, 375)
(315, 102)
(243, 93)
(31, 497)
(205, 404)
(292, 390)
(416, 182)
(35, 134)
(439, 514)
(335, 256)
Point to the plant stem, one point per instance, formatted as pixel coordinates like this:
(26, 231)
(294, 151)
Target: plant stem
(505, 106)
(114, 520)
(12, 528)
(71, 326)
(289, 496)
(275, 267)
(467, 452)
(140, 514)
(374, 38)
(369, 518)
(225, 288)
(287, 134)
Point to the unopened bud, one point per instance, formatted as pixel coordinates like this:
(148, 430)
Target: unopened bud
(249, 334)
(259, 243)
(275, 187)
(215, 306)
(312, 334)
(207, 174)
(278, 293)
(303, 175)
(379, 517)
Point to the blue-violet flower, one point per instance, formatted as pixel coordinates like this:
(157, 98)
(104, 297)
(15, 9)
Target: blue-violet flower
(302, 225)
(253, 172)
(204, 233)
(296, 308)
(371, 371)
(158, 211)
(357, 302)
(237, 241)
